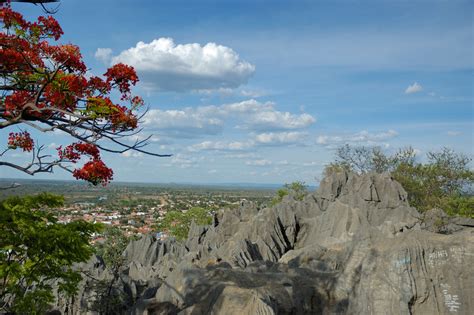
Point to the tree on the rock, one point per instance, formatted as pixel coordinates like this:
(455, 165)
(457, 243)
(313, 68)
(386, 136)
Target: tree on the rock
(177, 223)
(44, 87)
(297, 189)
(108, 297)
(444, 181)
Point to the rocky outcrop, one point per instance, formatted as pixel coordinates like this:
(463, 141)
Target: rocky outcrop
(354, 246)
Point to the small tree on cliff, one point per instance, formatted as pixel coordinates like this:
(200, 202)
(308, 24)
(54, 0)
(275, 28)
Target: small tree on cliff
(44, 87)
(297, 189)
(109, 298)
(177, 223)
(443, 181)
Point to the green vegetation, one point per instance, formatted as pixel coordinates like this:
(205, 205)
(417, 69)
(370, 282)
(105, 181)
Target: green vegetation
(444, 181)
(296, 189)
(177, 223)
(37, 252)
(108, 296)
(112, 248)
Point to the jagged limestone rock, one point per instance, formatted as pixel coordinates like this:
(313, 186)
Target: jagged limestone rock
(354, 246)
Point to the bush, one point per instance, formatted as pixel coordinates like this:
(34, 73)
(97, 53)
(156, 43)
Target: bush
(177, 223)
(445, 181)
(297, 189)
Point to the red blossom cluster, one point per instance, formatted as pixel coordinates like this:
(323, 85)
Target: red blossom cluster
(15, 102)
(47, 82)
(20, 140)
(44, 27)
(94, 171)
(122, 76)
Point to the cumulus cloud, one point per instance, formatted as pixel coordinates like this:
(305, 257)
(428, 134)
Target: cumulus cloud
(164, 65)
(103, 54)
(183, 161)
(220, 146)
(264, 116)
(187, 122)
(262, 162)
(277, 138)
(360, 138)
(414, 88)
(210, 120)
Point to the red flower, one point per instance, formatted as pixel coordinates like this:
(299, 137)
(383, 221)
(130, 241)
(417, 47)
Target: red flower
(74, 151)
(45, 82)
(15, 102)
(95, 172)
(122, 76)
(50, 27)
(20, 140)
(11, 18)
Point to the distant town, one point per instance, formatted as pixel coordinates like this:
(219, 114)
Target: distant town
(135, 208)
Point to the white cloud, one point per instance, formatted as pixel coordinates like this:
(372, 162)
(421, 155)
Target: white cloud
(453, 133)
(163, 65)
(220, 146)
(279, 120)
(187, 122)
(212, 171)
(263, 116)
(253, 93)
(210, 120)
(103, 54)
(132, 154)
(414, 88)
(360, 138)
(277, 138)
(241, 155)
(183, 161)
(219, 91)
(312, 163)
(262, 162)
(264, 139)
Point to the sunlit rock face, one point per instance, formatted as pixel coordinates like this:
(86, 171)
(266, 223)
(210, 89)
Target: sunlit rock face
(354, 246)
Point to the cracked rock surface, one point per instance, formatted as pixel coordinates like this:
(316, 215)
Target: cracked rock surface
(354, 246)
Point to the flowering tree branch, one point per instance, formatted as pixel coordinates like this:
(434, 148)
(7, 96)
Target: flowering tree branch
(44, 86)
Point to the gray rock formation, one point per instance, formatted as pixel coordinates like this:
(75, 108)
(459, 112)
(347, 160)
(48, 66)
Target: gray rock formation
(354, 246)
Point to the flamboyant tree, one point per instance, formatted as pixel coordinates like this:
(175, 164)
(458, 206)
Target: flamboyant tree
(45, 86)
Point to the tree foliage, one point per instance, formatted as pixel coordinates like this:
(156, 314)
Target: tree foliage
(112, 248)
(36, 252)
(296, 189)
(109, 298)
(445, 180)
(177, 223)
(44, 87)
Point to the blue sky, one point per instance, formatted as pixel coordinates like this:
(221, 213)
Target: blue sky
(263, 91)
